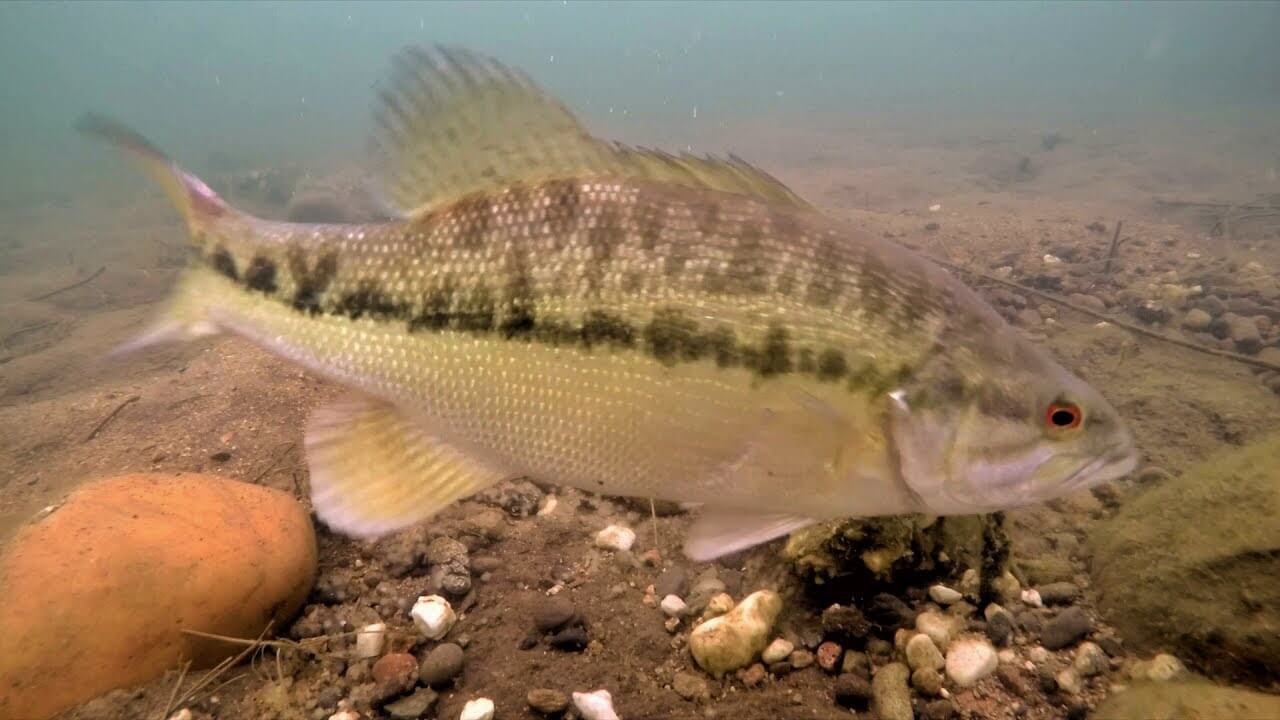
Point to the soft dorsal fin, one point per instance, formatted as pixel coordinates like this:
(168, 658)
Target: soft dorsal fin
(454, 123)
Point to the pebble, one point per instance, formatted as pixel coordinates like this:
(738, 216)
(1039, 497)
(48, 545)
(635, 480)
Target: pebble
(1006, 587)
(1065, 628)
(395, 673)
(777, 651)
(415, 706)
(1030, 622)
(1197, 320)
(1058, 593)
(927, 681)
(370, 640)
(616, 537)
(672, 581)
(940, 628)
(921, 652)
(596, 705)
(1090, 660)
(1038, 655)
(801, 659)
(969, 660)
(944, 595)
(890, 695)
(852, 691)
(999, 624)
(752, 676)
(1012, 679)
(938, 710)
(856, 663)
(691, 687)
(442, 664)
(478, 709)
(571, 639)
(733, 640)
(433, 616)
(1032, 597)
(673, 606)
(719, 604)
(1161, 668)
(971, 584)
(183, 714)
(547, 701)
(845, 623)
(1069, 681)
(553, 613)
(829, 654)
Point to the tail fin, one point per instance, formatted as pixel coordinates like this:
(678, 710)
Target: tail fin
(186, 314)
(197, 202)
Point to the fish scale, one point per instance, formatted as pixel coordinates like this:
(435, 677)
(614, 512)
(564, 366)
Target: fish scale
(625, 321)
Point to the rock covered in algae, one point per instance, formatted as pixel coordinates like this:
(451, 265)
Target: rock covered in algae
(1186, 701)
(871, 553)
(1192, 565)
(101, 588)
(733, 640)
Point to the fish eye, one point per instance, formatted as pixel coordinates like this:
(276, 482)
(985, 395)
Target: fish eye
(1063, 416)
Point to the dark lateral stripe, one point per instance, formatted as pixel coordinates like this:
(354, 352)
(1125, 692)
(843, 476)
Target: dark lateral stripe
(671, 336)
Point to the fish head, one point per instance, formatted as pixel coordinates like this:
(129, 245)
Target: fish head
(1003, 426)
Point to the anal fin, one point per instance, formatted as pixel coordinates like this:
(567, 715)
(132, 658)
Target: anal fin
(375, 469)
(721, 531)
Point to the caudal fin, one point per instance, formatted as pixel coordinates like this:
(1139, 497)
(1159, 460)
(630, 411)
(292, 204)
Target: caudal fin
(186, 315)
(197, 202)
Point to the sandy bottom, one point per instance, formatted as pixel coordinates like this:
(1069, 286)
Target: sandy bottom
(1007, 199)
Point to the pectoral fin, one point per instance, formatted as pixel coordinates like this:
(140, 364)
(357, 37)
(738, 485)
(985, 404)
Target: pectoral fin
(722, 531)
(375, 469)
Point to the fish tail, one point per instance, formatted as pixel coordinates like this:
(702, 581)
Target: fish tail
(186, 315)
(199, 205)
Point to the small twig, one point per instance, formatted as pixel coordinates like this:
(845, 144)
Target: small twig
(1136, 329)
(288, 447)
(1115, 245)
(72, 286)
(173, 694)
(653, 515)
(131, 399)
(24, 330)
(1214, 205)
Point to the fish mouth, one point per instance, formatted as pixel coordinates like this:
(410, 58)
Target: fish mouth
(1117, 463)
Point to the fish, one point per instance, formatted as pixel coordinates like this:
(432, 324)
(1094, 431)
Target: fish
(547, 304)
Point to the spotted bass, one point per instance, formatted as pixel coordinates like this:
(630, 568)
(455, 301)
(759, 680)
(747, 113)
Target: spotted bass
(625, 321)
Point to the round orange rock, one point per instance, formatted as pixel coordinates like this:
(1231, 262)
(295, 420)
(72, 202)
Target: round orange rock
(95, 595)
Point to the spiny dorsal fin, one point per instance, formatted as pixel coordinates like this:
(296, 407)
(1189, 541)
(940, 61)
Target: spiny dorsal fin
(456, 122)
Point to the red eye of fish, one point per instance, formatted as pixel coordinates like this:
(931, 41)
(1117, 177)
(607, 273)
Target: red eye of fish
(1064, 416)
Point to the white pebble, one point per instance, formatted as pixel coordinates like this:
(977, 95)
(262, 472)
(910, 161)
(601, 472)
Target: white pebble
(1069, 681)
(935, 207)
(616, 537)
(478, 709)
(596, 705)
(370, 640)
(777, 651)
(1032, 597)
(183, 714)
(433, 616)
(673, 606)
(944, 595)
(548, 506)
(345, 714)
(969, 660)
(1051, 259)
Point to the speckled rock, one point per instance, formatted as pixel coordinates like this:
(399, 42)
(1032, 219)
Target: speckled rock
(970, 659)
(97, 591)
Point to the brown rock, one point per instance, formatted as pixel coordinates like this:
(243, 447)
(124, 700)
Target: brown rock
(395, 673)
(829, 656)
(101, 588)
